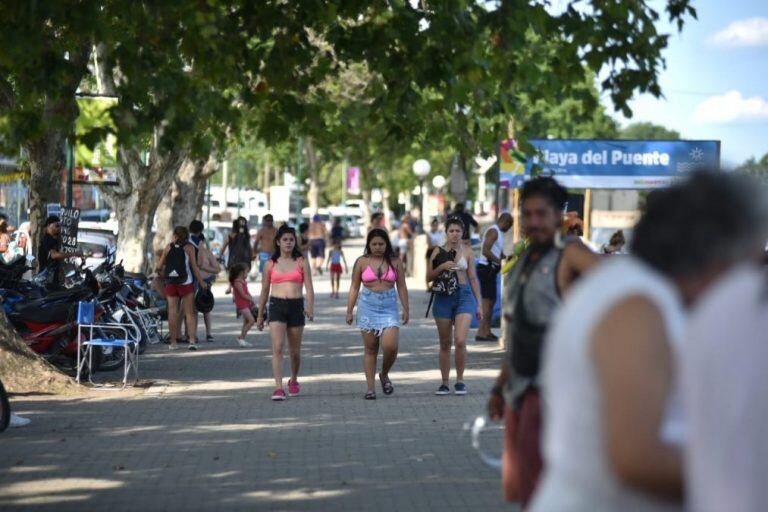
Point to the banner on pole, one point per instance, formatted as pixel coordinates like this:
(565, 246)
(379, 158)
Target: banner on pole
(353, 180)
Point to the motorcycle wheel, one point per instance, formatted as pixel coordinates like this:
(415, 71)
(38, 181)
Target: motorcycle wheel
(113, 361)
(5, 409)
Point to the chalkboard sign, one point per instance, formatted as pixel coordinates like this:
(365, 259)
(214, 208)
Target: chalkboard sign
(70, 219)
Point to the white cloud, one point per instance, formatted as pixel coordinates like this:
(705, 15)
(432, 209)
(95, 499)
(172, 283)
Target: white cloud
(730, 107)
(747, 32)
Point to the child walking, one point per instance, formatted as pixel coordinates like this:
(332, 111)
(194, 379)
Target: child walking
(243, 299)
(335, 257)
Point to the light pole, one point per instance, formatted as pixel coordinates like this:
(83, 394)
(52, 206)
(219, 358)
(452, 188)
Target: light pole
(421, 169)
(439, 182)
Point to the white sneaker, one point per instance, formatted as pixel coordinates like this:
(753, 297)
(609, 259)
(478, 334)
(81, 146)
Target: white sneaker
(243, 343)
(18, 421)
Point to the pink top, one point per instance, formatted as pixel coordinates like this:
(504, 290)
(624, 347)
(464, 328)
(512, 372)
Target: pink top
(370, 276)
(294, 276)
(241, 301)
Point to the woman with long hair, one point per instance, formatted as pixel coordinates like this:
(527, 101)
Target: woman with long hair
(287, 274)
(383, 278)
(453, 313)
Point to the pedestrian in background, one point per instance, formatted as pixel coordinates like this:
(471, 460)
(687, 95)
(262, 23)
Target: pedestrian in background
(178, 265)
(469, 221)
(335, 258)
(304, 240)
(453, 311)
(264, 246)
(382, 276)
(239, 244)
(287, 274)
(337, 231)
(209, 268)
(488, 267)
(616, 244)
(318, 236)
(244, 303)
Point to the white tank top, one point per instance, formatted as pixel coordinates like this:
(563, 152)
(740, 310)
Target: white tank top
(577, 474)
(496, 249)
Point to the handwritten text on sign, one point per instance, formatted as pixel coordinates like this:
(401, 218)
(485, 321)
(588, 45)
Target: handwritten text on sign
(69, 221)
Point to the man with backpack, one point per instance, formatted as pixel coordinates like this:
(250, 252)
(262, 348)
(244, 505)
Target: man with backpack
(533, 293)
(178, 265)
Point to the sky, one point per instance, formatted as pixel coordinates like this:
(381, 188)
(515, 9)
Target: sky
(715, 84)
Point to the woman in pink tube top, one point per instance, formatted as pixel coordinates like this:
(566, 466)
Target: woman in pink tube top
(383, 278)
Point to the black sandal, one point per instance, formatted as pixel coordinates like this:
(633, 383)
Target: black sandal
(370, 395)
(386, 385)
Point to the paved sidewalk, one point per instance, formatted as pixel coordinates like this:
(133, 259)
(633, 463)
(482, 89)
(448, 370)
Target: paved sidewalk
(205, 435)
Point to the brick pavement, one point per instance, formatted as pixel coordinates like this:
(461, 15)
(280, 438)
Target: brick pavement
(205, 436)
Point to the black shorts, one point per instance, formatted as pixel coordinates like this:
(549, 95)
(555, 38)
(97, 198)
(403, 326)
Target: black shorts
(317, 248)
(287, 311)
(487, 274)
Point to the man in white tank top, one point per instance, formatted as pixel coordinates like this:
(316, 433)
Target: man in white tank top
(488, 266)
(724, 395)
(613, 416)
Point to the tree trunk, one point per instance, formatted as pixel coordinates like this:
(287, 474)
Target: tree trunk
(135, 199)
(184, 201)
(46, 161)
(313, 196)
(459, 178)
(23, 371)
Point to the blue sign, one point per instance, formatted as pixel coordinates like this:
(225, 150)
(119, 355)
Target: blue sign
(619, 164)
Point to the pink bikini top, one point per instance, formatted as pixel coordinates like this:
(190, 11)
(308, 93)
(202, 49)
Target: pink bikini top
(294, 276)
(370, 276)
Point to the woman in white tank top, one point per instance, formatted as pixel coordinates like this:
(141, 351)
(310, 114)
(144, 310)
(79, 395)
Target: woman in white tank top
(613, 419)
(579, 473)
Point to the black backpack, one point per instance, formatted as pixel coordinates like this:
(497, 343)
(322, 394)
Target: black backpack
(176, 265)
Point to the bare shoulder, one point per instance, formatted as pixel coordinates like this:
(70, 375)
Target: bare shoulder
(634, 320)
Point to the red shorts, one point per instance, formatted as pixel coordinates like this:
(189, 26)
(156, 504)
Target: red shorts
(335, 268)
(178, 290)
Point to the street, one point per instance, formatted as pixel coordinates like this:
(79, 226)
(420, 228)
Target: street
(203, 434)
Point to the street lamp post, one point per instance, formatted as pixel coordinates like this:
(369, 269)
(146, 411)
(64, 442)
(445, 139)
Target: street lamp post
(439, 182)
(421, 169)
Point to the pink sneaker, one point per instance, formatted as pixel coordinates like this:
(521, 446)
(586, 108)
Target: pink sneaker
(293, 388)
(278, 395)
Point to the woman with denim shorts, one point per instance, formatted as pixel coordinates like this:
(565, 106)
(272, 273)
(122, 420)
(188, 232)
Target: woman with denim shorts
(383, 278)
(453, 313)
(287, 274)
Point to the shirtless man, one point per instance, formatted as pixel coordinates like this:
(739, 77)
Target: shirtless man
(318, 234)
(264, 245)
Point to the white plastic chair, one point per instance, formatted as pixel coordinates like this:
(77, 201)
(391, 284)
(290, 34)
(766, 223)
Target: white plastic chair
(86, 313)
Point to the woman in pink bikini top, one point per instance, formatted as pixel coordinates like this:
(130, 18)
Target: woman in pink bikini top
(286, 277)
(382, 277)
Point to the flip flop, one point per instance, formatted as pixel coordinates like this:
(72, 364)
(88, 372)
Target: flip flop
(386, 385)
(370, 395)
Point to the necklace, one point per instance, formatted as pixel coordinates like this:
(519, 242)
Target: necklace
(379, 272)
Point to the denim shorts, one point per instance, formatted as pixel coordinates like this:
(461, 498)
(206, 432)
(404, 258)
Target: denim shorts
(377, 311)
(448, 306)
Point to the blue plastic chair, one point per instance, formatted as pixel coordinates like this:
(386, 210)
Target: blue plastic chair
(86, 318)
